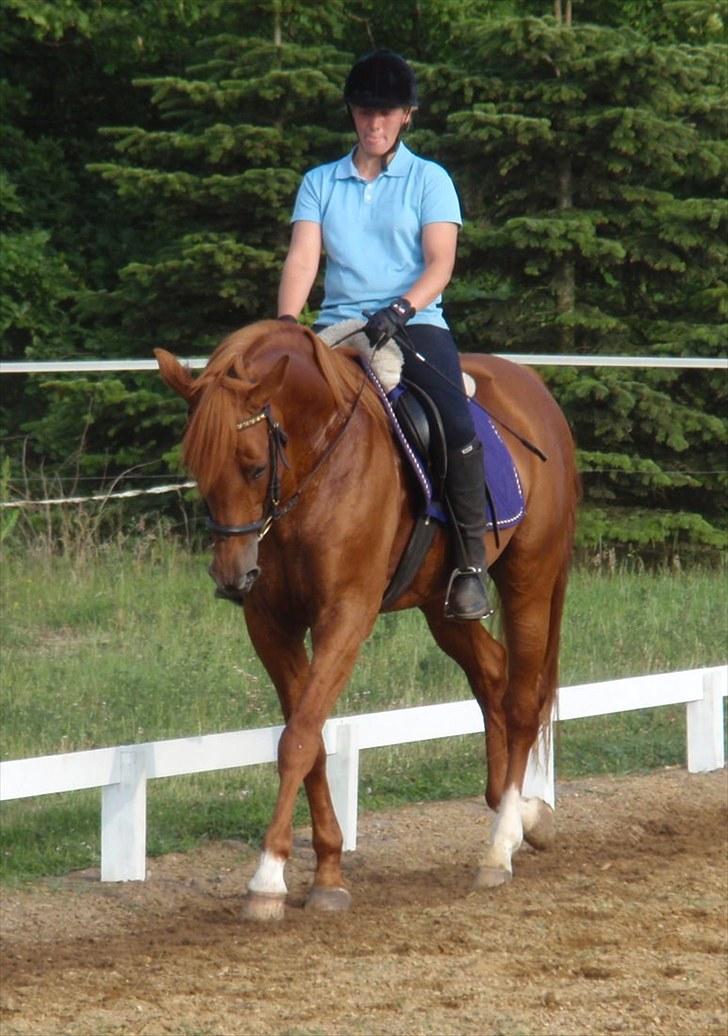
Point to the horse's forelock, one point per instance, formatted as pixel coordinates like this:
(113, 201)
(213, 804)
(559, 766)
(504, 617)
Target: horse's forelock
(211, 433)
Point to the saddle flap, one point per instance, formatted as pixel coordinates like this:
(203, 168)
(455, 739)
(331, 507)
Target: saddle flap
(421, 423)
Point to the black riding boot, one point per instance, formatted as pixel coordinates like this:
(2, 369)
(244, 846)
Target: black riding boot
(465, 488)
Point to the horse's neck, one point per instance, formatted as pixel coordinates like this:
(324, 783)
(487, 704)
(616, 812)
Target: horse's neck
(317, 427)
(308, 408)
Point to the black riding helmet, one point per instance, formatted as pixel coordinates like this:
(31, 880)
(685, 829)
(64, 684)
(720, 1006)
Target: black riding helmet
(381, 79)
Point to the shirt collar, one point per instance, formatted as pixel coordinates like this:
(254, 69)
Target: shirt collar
(399, 165)
(403, 159)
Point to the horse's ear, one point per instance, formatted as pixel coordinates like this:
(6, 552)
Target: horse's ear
(268, 385)
(178, 378)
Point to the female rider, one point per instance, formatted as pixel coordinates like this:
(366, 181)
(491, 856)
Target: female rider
(388, 222)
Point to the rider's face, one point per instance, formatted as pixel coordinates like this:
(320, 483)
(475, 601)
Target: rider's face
(378, 129)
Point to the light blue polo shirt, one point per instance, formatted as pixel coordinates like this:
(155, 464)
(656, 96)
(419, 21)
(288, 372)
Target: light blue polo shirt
(372, 231)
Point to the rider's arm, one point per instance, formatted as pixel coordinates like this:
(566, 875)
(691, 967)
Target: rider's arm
(439, 244)
(300, 267)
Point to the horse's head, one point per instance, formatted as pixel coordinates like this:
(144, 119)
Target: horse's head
(234, 448)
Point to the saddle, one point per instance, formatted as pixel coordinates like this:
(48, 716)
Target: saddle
(420, 421)
(417, 427)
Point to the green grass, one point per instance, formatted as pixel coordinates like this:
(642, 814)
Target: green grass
(128, 647)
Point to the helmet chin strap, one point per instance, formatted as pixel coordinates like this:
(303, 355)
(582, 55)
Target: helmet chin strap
(389, 155)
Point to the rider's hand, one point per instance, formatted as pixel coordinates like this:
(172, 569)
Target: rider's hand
(386, 322)
(287, 318)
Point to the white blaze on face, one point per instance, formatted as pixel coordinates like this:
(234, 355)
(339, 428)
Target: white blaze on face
(268, 879)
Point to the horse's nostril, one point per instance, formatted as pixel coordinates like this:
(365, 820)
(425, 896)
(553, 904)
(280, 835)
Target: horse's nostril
(235, 591)
(246, 583)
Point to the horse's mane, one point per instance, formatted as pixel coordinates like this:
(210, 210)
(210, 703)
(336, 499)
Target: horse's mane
(232, 373)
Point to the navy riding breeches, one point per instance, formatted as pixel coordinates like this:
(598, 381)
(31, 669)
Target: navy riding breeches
(444, 383)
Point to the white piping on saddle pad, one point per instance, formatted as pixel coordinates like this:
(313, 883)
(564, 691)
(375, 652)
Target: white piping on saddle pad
(386, 362)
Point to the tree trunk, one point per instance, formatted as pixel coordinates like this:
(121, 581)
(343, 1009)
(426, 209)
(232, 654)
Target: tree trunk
(277, 31)
(565, 275)
(562, 14)
(564, 281)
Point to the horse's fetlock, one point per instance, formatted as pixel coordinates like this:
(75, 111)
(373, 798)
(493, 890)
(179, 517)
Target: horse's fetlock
(539, 824)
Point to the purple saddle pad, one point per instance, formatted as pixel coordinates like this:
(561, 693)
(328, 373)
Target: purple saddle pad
(501, 474)
(506, 506)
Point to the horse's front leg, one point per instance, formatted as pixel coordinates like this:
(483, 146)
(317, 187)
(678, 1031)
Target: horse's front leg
(302, 758)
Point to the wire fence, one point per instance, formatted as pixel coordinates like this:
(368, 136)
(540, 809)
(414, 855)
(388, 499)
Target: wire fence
(99, 497)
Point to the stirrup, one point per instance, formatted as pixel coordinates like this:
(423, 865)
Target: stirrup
(455, 574)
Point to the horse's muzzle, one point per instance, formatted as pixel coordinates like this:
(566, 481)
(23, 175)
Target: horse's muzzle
(236, 591)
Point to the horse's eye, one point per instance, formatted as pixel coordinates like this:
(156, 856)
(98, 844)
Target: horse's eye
(255, 473)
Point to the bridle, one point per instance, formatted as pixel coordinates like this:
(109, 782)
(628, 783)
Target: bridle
(273, 510)
(277, 440)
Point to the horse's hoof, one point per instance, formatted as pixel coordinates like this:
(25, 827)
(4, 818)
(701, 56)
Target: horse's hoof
(260, 907)
(328, 900)
(491, 877)
(542, 834)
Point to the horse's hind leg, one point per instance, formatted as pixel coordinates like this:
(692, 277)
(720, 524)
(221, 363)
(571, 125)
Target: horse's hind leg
(531, 687)
(483, 660)
(284, 655)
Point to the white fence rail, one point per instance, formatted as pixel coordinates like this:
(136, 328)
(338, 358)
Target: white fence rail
(531, 359)
(122, 772)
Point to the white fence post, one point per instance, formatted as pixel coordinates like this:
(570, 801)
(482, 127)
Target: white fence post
(342, 768)
(124, 820)
(539, 779)
(706, 747)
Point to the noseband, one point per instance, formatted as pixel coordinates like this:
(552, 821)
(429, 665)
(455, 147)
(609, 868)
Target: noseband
(277, 440)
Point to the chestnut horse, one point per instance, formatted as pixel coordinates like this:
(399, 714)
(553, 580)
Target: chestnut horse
(311, 508)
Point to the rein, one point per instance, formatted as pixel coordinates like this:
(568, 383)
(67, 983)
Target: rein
(277, 440)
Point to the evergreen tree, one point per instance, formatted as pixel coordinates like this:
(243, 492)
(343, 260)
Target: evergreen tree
(214, 187)
(591, 166)
(66, 69)
(209, 189)
(588, 147)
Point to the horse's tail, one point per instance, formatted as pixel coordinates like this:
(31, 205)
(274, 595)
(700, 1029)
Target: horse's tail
(550, 671)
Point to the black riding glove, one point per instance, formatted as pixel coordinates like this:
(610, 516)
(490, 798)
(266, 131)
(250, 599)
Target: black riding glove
(287, 318)
(385, 323)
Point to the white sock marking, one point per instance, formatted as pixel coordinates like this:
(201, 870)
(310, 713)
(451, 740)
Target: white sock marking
(507, 832)
(268, 879)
